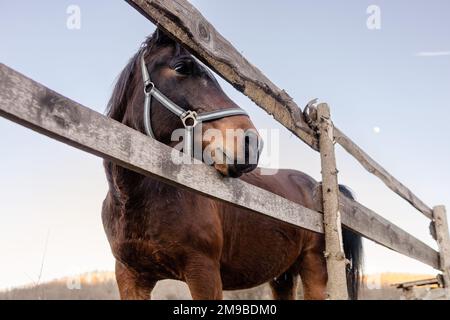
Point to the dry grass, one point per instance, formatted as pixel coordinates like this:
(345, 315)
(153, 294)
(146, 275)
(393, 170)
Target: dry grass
(102, 286)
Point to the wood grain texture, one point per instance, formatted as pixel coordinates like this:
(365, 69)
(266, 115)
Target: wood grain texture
(373, 167)
(32, 105)
(334, 249)
(185, 24)
(376, 228)
(443, 240)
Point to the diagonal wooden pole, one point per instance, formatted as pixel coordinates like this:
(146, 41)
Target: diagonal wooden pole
(334, 250)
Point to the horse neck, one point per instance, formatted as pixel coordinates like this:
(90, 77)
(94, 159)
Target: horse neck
(128, 188)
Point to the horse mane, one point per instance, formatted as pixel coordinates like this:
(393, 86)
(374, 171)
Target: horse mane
(126, 83)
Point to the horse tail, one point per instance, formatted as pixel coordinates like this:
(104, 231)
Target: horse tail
(353, 250)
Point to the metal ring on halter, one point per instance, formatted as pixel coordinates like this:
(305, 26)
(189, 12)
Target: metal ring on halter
(189, 115)
(147, 85)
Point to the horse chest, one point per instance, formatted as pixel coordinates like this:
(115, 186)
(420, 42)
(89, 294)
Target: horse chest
(147, 256)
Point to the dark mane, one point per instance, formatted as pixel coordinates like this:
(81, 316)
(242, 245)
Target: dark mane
(126, 81)
(124, 86)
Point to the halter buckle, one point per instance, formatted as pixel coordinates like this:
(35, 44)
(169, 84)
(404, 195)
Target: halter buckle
(189, 115)
(148, 87)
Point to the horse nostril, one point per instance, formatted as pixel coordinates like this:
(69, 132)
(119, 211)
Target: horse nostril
(251, 148)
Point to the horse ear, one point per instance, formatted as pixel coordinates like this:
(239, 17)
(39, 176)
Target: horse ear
(162, 38)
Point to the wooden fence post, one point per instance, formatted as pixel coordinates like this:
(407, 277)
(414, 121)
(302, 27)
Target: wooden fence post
(334, 251)
(443, 240)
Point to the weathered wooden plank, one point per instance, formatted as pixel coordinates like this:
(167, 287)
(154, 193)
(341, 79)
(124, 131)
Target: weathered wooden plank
(334, 249)
(417, 283)
(185, 23)
(24, 101)
(373, 167)
(376, 228)
(30, 104)
(443, 240)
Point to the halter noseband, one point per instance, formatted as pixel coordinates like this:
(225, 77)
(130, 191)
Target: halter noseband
(189, 118)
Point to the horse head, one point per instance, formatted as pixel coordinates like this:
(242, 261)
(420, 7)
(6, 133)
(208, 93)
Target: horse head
(169, 89)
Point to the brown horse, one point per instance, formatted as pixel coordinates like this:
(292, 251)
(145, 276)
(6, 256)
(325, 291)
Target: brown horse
(157, 231)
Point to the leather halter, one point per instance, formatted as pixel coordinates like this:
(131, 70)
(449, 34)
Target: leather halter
(189, 118)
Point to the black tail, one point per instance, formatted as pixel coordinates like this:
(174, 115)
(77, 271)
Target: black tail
(353, 250)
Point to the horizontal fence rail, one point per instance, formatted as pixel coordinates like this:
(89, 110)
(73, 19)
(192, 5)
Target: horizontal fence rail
(31, 104)
(186, 24)
(380, 230)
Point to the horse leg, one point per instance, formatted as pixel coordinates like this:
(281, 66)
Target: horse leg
(130, 286)
(313, 272)
(202, 275)
(285, 286)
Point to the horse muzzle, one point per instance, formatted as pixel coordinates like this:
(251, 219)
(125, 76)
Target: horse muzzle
(247, 162)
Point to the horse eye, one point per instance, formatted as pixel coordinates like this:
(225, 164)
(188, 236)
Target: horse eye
(183, 68)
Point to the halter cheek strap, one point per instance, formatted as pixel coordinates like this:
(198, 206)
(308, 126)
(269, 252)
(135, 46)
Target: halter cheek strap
(189, 118)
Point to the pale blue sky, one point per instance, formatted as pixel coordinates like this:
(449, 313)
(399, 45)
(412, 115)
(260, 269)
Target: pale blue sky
(323, 49)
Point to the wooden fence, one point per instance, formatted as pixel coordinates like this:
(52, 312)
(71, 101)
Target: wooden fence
(31, 104)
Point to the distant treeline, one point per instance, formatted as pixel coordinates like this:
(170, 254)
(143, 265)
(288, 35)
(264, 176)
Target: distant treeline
(102, 286)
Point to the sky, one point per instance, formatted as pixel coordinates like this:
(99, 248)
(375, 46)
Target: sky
(388, 89)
